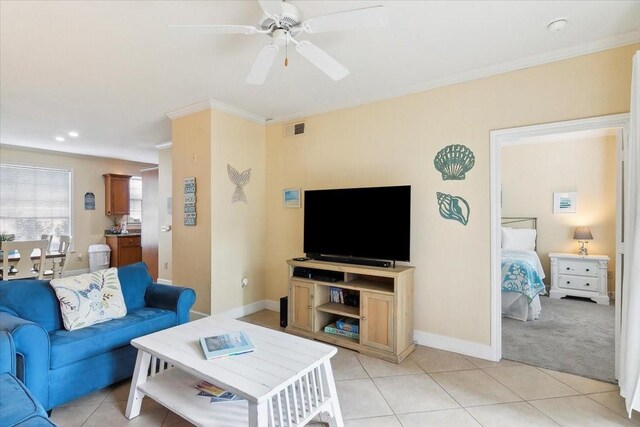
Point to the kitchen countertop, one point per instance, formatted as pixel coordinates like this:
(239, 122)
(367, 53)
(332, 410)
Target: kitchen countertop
(122, 235)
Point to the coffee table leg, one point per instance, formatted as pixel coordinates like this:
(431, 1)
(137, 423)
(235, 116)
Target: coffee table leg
(258, 416)
(139, 377)
(336, 421)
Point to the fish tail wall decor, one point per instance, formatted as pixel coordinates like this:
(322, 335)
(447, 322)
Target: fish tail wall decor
(240, 180)
(453, 207)
(454, 161)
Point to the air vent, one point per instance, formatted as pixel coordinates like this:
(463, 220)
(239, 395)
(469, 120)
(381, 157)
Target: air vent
(294, 129)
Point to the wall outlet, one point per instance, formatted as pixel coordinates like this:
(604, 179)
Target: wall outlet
(166, 265)
(79, 257)
(245, 282)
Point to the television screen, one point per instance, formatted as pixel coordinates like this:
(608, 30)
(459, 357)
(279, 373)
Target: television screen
(358, 222)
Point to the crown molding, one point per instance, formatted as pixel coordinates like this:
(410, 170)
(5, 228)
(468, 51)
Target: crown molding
(213, 104)
(620, 40)
(163, 146)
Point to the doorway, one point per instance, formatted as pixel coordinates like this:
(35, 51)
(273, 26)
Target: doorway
(618, 124)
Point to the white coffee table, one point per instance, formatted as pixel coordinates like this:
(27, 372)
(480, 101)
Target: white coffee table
(286, 381)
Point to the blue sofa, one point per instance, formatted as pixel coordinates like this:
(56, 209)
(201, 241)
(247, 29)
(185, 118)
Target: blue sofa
(57, 365)
(17, 406)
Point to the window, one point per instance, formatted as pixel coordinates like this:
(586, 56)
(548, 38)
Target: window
(35, 201)
(135, 200)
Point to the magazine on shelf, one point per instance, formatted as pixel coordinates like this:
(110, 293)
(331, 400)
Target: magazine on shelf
(226, 345)
(216, 394)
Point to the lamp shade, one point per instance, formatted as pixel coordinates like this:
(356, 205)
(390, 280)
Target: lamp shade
(582, 233)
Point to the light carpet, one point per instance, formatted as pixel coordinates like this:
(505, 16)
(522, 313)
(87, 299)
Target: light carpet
(572, 335)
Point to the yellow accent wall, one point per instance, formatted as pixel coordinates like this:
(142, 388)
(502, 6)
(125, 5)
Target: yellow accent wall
(394, 142)
(191, 246)
(238, 239)
(88, 226)
(531, 173)
(165, 188)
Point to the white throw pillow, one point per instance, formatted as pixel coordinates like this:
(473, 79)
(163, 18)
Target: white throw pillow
(90, 298)
(519, 239)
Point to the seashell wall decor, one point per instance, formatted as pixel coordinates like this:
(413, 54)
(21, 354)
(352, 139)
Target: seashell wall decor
(453, 207)
(454, 161)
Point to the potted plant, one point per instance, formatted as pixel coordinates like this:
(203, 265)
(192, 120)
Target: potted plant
(6, 237)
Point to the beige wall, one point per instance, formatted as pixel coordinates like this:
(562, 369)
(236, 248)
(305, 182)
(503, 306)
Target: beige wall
(238, 229)
(88, 226)
(394, 142)
(531, 173)
(165, 177)
(191, 246)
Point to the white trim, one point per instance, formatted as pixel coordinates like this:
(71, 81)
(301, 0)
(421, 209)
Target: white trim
(272, 305)
(500, 138)
(244, 310)
(441, 342)
(163, 281)
(154, 168)
(479, 73)
(69, 273)
(164, 145)
(195, 315)
(213, 104)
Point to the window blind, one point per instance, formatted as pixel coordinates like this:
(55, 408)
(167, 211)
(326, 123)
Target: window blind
(34, 201)
(135, 200)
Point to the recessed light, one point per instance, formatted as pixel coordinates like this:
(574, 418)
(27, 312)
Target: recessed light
(557, 25)
(59, 138)
(73, 134)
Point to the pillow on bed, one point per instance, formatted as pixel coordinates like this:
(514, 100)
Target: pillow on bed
(519, 239)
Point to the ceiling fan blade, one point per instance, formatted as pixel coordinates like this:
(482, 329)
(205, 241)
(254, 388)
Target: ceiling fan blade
(218, 29)
(322, 60)
(368, 17)
(262, 65)
(271, 7)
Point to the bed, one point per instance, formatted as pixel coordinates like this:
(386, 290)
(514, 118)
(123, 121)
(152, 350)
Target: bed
(521, 270)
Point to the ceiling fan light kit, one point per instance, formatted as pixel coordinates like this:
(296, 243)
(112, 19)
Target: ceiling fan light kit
(282, 21)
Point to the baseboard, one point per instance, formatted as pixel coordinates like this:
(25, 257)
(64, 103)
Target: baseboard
(272, 305)
(244, 310)
(195, 315)
(469, 348)
(68, 273)
(164, 281)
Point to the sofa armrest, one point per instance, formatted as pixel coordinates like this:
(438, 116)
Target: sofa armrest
(32, 350)
(174, 298)
(7, 354)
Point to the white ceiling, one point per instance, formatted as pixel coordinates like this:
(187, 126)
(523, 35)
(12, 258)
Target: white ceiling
(112, 70)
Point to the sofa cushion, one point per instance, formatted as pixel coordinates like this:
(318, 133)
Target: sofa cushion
(16, 404)
(71, 346)
(32, 300)
(134, 279)
(88, 299)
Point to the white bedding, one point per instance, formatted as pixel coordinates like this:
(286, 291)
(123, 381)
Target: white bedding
(515, 305)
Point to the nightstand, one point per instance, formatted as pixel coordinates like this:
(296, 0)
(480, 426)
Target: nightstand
(579, 275)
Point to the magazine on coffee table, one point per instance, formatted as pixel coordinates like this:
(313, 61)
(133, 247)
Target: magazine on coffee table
(229, 344)
(216, 394)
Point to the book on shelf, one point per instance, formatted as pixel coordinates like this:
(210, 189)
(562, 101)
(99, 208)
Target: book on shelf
(332, 329)
(348, 324)
(216, 394)
(229, 344)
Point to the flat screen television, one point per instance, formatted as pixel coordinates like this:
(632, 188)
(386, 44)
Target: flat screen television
(368, 223)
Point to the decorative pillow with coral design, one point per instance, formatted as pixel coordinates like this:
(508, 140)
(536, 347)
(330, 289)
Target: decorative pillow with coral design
(90, 298)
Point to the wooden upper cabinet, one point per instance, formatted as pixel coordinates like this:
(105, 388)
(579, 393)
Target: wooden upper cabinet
(116, 202)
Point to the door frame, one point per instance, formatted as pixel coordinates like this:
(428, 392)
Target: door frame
(512, 136)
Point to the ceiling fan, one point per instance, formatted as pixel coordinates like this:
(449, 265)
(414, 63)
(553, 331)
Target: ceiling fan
(282, 22)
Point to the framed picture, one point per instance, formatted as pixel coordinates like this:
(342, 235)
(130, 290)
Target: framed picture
(291, 197)
(565, 202)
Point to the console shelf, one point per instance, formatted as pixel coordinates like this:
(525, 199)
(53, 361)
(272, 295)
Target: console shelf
(385, 307)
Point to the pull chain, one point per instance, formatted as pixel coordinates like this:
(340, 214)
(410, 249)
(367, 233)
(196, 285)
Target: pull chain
(286, 53)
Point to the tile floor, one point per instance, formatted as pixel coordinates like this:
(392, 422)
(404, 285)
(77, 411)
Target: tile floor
(430, 388)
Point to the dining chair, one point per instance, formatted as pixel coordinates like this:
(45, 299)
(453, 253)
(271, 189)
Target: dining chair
(63, 250)
(48, 237)
(17, 261)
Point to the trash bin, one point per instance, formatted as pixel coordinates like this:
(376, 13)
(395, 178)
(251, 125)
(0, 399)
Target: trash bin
(99, 257)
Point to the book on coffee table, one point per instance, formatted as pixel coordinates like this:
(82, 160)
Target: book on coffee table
(226, 345)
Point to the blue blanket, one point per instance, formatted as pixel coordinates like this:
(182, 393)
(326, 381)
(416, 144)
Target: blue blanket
(520, 273)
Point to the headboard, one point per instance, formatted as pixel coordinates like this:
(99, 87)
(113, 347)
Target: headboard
(523, 221)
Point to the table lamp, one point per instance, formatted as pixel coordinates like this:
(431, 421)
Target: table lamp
(582, 234)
